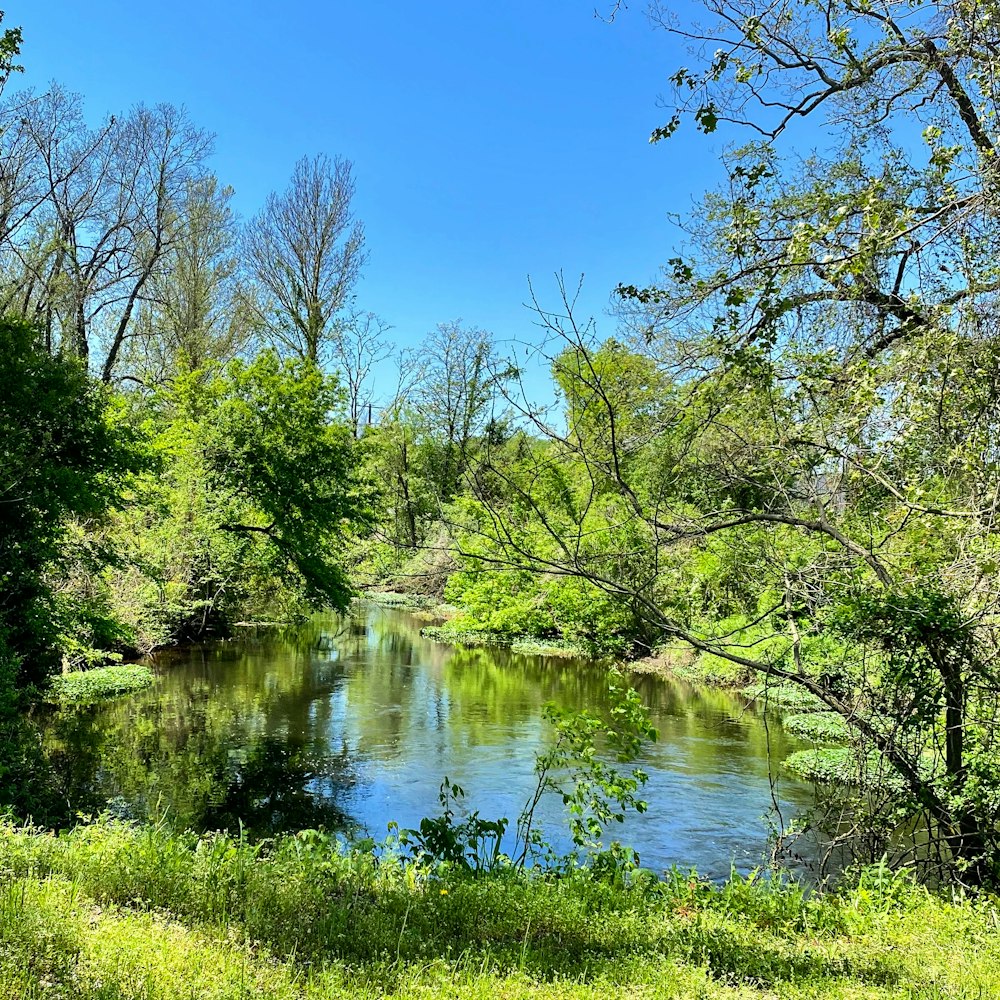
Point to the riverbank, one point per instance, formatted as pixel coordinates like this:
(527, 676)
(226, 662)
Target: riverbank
(447, 624)
(443, 627)
(668, 662)
(112, 910)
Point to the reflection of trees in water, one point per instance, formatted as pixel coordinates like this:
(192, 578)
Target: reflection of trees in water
(208, 751)
(72, 745)
(270, 730)
(269, 792)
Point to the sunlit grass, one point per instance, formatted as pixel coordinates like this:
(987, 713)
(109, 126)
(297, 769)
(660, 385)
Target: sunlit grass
(112, 910)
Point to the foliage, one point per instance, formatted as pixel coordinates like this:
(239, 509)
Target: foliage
(819, 727)
(198, 311)
(269, 442)
(84, 686)
(471, 844)
(161, 915)
(594, 791)
(65, 457)
(784, 696)
(825, 765)
(513, 576)
(259, 489)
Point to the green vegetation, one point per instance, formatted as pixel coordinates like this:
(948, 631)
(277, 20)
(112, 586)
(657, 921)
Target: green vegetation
(83, 686)
(827, 765)
(66, 458)
(784, 462)
(820, 727)
(453, 632)
(113, 910)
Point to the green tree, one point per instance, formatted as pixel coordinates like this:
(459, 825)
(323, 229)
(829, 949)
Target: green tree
(66, 456)
(811, 494)
(261, 489)
(271, 441)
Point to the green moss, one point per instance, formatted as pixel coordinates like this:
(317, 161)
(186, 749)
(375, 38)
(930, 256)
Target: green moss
(84, 686)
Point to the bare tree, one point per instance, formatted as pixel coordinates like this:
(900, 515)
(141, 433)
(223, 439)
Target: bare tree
(359, 346)
(159, 154)
(94, 217)
(454, 396)
(55, 166)
(306, 251)
(196, 310)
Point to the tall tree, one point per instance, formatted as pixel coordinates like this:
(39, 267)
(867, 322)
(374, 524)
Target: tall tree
(305, 249)
(105, 223)
(812, 491)
(197, 310)
(454, 396)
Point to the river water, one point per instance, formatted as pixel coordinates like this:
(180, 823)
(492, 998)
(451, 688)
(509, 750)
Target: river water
(353, 722)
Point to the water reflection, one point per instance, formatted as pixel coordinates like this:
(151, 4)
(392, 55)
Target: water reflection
(355, 721)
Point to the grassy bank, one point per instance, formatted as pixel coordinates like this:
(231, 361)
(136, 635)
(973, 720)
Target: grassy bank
(116, 911)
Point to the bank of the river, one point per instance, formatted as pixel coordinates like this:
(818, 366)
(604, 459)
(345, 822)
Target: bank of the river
(445, 624)
(121, 911)
(678, 662)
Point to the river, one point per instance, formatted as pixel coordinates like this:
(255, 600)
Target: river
(353, 721)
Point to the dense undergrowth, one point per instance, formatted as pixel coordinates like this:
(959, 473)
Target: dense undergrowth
(112, 910)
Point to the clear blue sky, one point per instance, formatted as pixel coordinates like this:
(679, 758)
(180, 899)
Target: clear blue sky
(490, 141)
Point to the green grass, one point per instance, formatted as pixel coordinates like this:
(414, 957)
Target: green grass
(116, 911)
(82, 686)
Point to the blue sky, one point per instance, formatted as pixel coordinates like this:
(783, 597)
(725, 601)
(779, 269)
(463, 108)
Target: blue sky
(490, 141)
